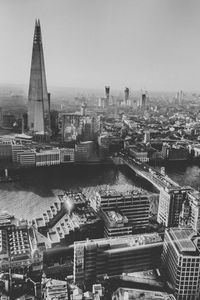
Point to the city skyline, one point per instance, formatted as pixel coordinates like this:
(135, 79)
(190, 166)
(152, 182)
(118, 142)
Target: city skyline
(139, 44)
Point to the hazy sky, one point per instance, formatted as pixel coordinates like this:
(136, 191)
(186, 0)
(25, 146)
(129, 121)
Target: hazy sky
(152, 44)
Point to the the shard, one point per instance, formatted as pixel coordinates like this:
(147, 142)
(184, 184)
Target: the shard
(38, 97)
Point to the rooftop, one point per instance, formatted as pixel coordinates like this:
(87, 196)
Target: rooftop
(113, 193)
(124, 241)
(115, 218)
(183, 240)
(127, 293)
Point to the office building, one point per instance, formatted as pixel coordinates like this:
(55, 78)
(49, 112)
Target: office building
(114, 256)
(180, 262)
(55, 289)
(8, 121)
(170, 205)
(115, 223)
(194, 213)
(83, 109)
(134, 205)
(140, 153)
(71, 126)
(84, 151)
(26, 157)
(1, 116)
(5, 149)
(16, 244)
(128, 293)
(66, 155)
(48, 157)
(38, 97)
(107, 96)
(143, 100)
(174, 152)
(126, 95)
(17, 147)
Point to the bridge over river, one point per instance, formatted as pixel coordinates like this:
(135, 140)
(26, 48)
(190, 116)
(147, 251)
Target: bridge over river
(156, 178)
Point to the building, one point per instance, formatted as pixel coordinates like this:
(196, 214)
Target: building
(142, 101)
(17, 148)
(128, 293)
(180, 262)
(194, 216)
(16, 245)
(134, 205)
(147, 137)
(38, 97)
(8, 120)
(174, 152)
(170, 205)
(139, 153)
(26, 157)
(109, 144)
(126, 95)
(84, 151)
(89, 128)
(114, 256)
(69, 219)
(66, 155)
(107, 96)
(5, 149)
(55, 289)
(23, 138)
(48, 157)
(71, 126)
(115, 224)
(83, 109)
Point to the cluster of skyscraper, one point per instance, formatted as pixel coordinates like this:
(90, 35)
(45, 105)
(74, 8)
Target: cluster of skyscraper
(178, 255)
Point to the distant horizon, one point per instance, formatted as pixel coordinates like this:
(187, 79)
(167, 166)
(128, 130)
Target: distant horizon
(141, 44)
(99, 89)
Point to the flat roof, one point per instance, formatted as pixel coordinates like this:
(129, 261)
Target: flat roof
(182, 239)
(124, 241)
(145, 294)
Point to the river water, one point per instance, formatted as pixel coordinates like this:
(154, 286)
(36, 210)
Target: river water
(38, 188)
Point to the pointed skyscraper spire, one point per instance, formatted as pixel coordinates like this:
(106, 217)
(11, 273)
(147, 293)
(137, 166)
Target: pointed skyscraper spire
(38, 104)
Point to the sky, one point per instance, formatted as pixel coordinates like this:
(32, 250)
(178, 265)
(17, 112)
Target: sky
(151, 44)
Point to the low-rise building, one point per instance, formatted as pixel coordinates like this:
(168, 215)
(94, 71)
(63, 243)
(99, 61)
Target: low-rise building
(55, 289)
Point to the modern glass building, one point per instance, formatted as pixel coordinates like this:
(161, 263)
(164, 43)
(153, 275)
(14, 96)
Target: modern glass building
(181, 261)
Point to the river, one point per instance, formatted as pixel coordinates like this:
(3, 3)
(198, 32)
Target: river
(38, 188)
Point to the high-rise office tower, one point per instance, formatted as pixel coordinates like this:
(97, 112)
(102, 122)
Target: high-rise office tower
(180, 97)
(143, 100)
(126, 95)
(170, 205)
(38, 97)
(180, 262)
(107, 94)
